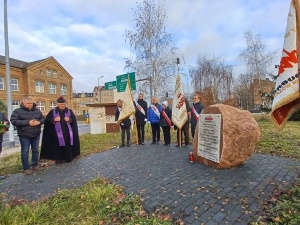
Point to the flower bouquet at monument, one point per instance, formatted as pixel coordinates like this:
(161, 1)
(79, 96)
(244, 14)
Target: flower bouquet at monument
(3, 127)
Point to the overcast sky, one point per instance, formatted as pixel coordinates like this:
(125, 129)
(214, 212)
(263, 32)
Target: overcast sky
(87, 36)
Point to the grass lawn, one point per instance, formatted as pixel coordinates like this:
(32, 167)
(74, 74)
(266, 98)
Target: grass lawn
(105, 203)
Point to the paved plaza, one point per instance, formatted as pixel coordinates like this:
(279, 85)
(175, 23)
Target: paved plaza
(164, 178)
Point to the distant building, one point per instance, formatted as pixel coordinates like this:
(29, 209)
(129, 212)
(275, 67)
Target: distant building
(80, 101)
(106, 96)
(43, 80)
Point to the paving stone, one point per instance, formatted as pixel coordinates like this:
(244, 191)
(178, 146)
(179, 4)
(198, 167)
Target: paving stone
(156, 175)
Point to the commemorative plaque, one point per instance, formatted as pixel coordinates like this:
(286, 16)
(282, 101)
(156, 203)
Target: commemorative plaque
(209, 136)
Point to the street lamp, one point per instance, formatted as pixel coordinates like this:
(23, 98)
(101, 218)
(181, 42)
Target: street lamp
(99, 100)
(8, 79)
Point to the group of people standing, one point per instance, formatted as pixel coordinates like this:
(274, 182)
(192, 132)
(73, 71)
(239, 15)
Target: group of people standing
(60, 139)
(159, 116)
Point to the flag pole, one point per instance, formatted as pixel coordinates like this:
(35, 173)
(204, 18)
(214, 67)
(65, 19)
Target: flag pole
(179, 129)
(136, 137)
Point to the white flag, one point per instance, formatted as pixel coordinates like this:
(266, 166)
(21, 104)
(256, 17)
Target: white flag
(179, 112)
(128, 106)
(287, 97)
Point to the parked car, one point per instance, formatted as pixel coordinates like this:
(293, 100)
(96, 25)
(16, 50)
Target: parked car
(255, 109)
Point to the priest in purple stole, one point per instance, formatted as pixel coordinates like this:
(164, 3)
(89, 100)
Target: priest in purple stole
(60, 140)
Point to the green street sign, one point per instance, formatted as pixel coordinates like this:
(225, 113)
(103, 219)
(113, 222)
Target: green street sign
(122, 81)
(110, 85)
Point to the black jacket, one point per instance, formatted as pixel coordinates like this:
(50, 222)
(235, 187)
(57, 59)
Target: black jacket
(198, 107)
(162, 121)
(139, 116)
(21, 117)
(125, 122)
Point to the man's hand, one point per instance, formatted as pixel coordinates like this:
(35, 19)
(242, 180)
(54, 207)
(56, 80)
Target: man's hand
(67, 119)
(57, 119)
(34, 122)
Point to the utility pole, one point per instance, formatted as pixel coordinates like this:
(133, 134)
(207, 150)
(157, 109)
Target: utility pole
(11, 142)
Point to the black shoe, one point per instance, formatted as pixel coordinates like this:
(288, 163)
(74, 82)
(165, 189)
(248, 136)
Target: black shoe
(177, 145)
(152, 143)
(59, 162)
(122, 145)
(187, 144)
(166, 144)
(157, 142)
(128, 145)
(2, 177)
(142, 143)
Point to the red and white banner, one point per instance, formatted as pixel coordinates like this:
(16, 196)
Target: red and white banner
(155, 110)
(195, 113)
(140, 108)
(179, 113)
(165, 116)
(287, 96)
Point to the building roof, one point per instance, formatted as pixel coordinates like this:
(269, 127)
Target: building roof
(18, 63)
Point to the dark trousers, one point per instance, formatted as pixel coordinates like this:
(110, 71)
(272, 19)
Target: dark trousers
(155, 132)
(141, 132)
(0, 147)
(167, 135)
(185, 131)
(127, 130)
(26, 143)
(193, 128)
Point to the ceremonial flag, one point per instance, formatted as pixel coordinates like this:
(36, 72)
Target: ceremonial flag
(287, 96)
(179, 113)
(128, 106)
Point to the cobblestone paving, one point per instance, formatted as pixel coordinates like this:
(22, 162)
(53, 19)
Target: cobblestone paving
(164, 177)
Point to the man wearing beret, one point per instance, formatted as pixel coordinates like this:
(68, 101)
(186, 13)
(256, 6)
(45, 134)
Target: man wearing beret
(60, 136)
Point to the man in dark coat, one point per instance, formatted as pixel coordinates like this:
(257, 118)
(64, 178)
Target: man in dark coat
(125, 125)
(196, 109)
(166, 123)
(141, 118)
(60, 136)
(28, 119)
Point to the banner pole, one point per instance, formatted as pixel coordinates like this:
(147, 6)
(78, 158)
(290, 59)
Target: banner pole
(179, 129)
(136, 131)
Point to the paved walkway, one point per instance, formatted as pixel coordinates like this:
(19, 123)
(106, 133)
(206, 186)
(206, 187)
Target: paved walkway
(164, 177)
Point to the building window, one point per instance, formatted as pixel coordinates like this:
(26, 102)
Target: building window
(41, 72)
(15, 104)
(54, 74)
(39, 86)
(14, 84)
(48, 72)
(52, 88)
(1, 83)
(52, 105)
(40, 105)
(63, 89)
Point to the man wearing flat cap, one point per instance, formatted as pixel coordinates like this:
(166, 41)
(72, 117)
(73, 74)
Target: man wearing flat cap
(60, 136)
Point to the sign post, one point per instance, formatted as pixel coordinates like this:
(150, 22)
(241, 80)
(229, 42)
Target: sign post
(110, 85)
(122, 81)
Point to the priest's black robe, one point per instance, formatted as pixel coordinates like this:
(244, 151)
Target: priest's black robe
(50, 148)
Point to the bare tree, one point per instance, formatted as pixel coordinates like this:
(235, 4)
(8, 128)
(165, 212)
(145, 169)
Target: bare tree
(213, 75)
(153, 50)
(243, 91)
(255, 56)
